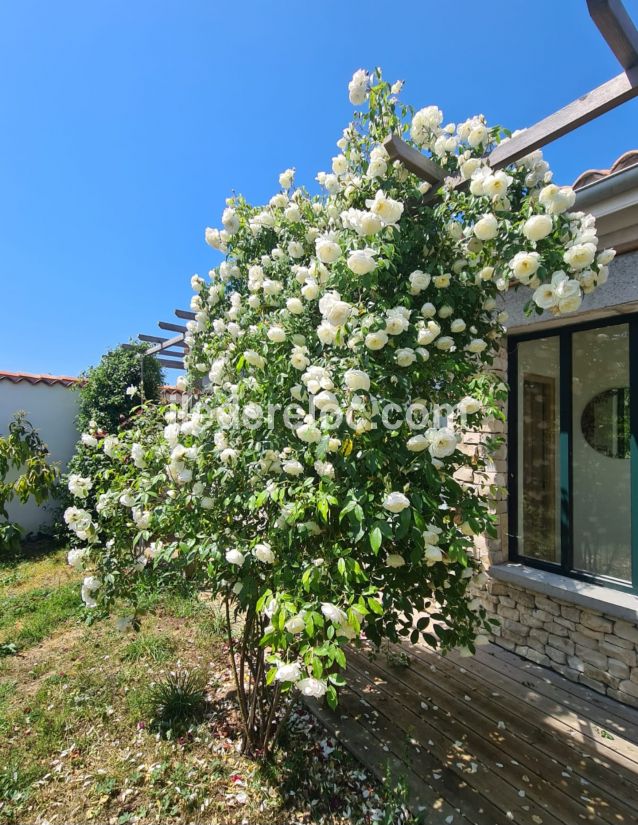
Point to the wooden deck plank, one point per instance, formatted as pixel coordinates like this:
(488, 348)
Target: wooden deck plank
(568, 691)
(364, 742)
(480, 761)
(586, 777)
(529, 706)
(470, 735)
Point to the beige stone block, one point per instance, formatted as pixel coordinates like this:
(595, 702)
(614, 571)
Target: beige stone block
(592, 657)
(569, 612)
(538, 658)
(556, 655)
(625, 630)
(561, 643)
(594, 621)
(547, 605)
(586, 641)
(613, 639)
(618, 669)
(508, 612)
(629, 687)
(628, 657)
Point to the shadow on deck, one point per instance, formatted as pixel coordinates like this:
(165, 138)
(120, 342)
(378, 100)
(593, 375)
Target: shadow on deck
(489, 740)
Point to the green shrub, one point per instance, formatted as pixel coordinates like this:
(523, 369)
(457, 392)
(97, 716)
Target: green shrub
(103, 397)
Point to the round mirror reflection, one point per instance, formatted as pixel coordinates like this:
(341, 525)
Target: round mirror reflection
(605, 423)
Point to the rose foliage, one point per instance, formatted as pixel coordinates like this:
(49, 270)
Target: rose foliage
(345, 345)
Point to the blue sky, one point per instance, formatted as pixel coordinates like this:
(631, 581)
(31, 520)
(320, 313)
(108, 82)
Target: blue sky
(127, 122)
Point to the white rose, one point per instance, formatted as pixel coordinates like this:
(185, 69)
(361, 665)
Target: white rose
(312, 687)
(418, 443)
(338, 313)
(395, 502)
(486, 228)
(286, 178)
(419, 281)
(537, 227)
(397, 320)
(89, 586)
(89, 440)
(310, 290)
(476, 345)
(230, 219)
(295, 306)
(405, 356)
(606, 257)
(468, 405)
(442, 281)
(339, 165)
(333, 613)
(580, 256)
(362, 261)
(428, 310)
(296, 624)
(442, 443)
(276, 334)
(328, 250)
(235, 557)
(264, 553)
(358, 87)
(524, 265)
(458, 325)
(292, 467)
(386, 208)
(376, 340)
(309, 434)
(324, 469)
(326, 333)
(444, 343)
(432, 555)
(357, 380)
(76, 557)
(288, 672)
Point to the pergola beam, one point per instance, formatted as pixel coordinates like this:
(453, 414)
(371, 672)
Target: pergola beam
(184, 313)
(170, 327)
(602, 99)
(621, 35)
(618, 29)
(168, 342)
(172, 365)
(157, 339)
(413, 160)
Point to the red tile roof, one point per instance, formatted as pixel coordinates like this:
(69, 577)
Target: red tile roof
(592, 175)
(65, 380)
(34, 378)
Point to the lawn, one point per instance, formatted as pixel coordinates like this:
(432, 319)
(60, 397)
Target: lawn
(79, 734)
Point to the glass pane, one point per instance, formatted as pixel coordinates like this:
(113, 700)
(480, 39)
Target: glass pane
(538, 433)
(601, 467)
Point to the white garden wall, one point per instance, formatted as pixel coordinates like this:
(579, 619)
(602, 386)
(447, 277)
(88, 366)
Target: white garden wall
(51, 408)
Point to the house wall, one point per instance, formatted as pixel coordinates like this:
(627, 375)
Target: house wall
(52, 409)
(585, 632)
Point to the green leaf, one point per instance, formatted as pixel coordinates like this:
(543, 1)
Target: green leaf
(375, 539)
(375, 606)
(341, 566)
(331, 697)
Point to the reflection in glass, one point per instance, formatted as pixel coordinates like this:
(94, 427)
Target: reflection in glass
(605, 423)
(601, 466)
(538, 431)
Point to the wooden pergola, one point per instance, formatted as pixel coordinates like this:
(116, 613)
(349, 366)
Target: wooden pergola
(621, 35)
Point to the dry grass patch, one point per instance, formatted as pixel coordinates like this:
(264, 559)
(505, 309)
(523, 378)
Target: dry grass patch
(80, 741)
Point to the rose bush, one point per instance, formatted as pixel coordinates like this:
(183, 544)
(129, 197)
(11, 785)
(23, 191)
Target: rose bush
(345, 344)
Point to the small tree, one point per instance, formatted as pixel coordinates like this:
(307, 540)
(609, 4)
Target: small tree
(103, 396)
(23, 450)
(348, 342)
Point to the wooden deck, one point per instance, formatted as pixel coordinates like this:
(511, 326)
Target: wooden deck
(491, 739)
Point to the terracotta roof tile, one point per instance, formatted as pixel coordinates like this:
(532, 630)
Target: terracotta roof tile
(34, 378)
(626, 160)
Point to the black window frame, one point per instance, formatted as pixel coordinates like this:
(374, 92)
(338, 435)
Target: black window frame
(565, 449)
